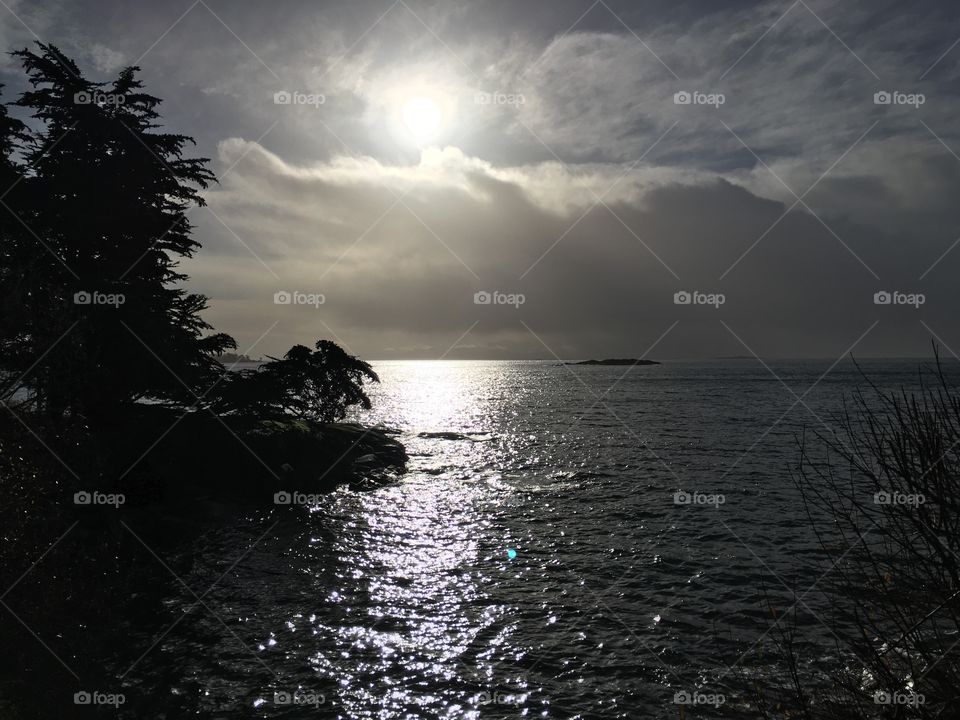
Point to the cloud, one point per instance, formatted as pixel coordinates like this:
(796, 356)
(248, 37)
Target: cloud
(597, 196)
(106, 60)
(399, 252)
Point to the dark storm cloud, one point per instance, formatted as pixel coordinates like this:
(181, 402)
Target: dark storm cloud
(703, 197)
(606, 281)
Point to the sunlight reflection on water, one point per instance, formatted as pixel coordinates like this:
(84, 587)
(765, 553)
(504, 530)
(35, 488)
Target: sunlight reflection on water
(532, 561)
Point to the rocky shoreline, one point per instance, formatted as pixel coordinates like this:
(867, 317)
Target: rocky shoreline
(202, 456)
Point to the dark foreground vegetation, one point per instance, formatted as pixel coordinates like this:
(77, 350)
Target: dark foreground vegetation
(883, 497)
(105, 361)
(117, 407)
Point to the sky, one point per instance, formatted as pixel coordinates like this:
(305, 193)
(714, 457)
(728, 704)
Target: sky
(586, 167)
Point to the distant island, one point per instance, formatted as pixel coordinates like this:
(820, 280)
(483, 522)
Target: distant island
(615, 361)
(233, 359)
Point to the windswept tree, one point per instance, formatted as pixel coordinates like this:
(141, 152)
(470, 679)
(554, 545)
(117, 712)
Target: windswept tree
(105, 321)
(315, 384)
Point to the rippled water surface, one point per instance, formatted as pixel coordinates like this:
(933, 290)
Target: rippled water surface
(531, 563)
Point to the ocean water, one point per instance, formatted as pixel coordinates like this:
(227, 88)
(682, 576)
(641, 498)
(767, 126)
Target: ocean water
(533, 562)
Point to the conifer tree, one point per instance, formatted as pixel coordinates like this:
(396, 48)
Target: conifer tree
(109, 195)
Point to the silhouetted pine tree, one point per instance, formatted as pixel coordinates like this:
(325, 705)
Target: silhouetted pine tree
(19, 254)
(107, 195)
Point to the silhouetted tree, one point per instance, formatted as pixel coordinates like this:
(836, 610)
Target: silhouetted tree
(18, 251)
(105, 323)
(95, 318)
(311, 384)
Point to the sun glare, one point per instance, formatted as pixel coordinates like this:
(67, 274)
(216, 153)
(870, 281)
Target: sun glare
(423, 118)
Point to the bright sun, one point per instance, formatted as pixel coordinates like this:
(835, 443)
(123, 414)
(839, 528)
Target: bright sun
(423, 117)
